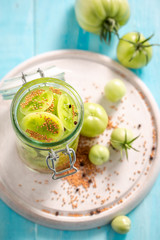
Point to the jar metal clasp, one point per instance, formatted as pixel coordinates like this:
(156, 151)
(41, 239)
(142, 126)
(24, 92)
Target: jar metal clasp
(53, 157)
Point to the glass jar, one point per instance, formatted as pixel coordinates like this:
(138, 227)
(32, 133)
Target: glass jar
(59, 156)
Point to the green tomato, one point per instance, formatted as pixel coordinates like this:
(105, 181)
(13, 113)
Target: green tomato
(121, 136)
(115, 90)
(98, 154)
(95, 120)
(121, 224)
(102, 16)
(122, 139)
(133, 50)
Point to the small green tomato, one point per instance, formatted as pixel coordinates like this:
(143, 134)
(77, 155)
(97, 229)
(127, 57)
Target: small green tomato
(122, 139)
(121, 224)
(99, 154)
(95, 120)
(115, 90)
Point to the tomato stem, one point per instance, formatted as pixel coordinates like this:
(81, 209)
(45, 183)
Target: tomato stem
(147, 39)
(126, 145)
(151, 45)
(109, 26)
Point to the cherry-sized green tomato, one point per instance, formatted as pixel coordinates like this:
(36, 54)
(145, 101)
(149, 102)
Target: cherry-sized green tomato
(121, 224)
(122, 139)
(115, 90)
(134, 50)
(120, 136)
(102, 16)
(98, 154)
(95, 120)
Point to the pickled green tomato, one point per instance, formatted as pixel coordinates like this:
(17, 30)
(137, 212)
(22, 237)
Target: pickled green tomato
(67, 112)
(53, 106)
(43, 126)
(98, 154)
(37, 100)
(115, 90)
(132, 53)
(121, 224)
(102, 16)
(95, 120)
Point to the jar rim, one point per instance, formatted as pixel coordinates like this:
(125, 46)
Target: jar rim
(45, 80)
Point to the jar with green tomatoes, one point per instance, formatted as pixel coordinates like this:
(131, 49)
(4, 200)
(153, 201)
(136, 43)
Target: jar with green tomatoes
(47, 116)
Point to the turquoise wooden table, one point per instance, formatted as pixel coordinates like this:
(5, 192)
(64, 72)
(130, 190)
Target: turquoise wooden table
(31, 27)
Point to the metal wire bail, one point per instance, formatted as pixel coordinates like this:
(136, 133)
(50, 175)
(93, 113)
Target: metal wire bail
(40, 72)
(25, 75)
(53, 157)
(24, 78)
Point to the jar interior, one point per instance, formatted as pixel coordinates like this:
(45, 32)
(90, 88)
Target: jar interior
(65, 90)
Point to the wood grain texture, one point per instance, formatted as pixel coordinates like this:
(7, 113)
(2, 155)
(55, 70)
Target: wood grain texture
(30, 27)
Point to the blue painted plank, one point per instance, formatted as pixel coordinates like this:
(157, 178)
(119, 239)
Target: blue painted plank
(16, 33)
(56, 27)
(13, 226)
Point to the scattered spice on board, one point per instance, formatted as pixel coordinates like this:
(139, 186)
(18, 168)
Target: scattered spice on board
(86, 170)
